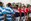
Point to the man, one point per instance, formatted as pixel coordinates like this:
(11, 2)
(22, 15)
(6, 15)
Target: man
(22, 13)
(10, 5)
(30, 8)
(26, 10)
(29, 15)
(1, 11)
(16, 13)
(9, 12)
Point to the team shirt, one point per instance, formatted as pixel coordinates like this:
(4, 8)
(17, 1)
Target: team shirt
(9, 12)
(1, 13)
(30, 9)
(26, 10)
(16, 12)
(19, 10)
(22, 10)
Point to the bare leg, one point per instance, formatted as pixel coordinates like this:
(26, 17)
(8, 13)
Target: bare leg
(4, 17)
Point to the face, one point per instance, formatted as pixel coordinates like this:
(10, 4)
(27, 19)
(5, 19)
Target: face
(24, 7)
(16, 7)
(30, 7)
(1, 4)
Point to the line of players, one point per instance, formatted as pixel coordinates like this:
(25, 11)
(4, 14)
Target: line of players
(22, 11)
(15, 12)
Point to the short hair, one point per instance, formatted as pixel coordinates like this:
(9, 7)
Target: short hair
(8, 4)
(30, 6)
(17, 5)
(24, 6)
(1, 3)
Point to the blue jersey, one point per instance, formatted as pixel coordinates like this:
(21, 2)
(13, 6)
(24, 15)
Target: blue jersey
(1, 14)
(9, 12)
(1, 10)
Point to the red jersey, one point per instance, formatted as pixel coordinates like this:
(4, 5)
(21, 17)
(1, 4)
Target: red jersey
(26, 10)
(30, 9)
(19, 9)
(22, 10)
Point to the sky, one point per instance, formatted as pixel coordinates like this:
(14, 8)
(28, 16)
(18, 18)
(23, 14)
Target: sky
(16, 1)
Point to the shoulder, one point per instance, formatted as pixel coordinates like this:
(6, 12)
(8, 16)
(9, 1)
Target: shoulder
(8, 8)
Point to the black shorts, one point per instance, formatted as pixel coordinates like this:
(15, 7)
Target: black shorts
(17, 14)
(22, 14)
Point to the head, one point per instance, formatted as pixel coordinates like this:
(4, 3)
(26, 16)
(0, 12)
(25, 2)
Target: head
(16, 6)
(1, 4)
(30, 6)
(24, 6)
(9, 4)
